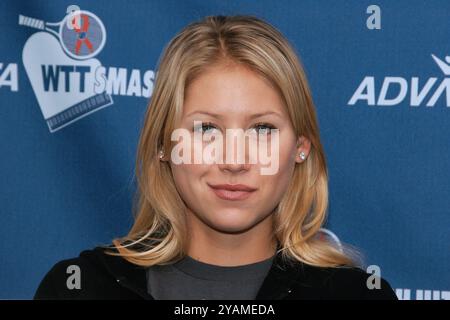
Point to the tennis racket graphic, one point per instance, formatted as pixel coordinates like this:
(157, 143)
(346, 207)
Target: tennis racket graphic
(81, 36)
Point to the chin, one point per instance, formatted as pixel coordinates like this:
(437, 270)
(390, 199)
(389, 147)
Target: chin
(232, 223)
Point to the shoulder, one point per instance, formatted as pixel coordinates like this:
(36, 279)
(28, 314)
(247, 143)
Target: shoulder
(76, 278)
(357, 283)
(344, 283)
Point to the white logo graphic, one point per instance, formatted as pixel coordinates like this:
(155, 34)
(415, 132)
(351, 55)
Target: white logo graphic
(398, 88)
(443, 65)
(61, 66)
(420, 294)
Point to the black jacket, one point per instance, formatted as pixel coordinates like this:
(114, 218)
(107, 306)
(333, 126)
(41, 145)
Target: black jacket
(111, 277)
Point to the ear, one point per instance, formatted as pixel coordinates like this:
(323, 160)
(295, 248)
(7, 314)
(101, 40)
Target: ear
(303, 145)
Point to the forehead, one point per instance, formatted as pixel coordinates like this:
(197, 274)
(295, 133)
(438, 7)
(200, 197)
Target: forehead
(232, 90)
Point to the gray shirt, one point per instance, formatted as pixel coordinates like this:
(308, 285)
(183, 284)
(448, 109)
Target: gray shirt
(189, 279)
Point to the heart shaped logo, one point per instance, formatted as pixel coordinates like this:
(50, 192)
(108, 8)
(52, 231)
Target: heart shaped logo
(64, 87)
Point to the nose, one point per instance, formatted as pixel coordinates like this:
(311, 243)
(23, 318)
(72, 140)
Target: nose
(234, 167)
(234, 164)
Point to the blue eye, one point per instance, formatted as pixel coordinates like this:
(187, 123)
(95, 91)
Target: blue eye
(205, 127)
(263, 128)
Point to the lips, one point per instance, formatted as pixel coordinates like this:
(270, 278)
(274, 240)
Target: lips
(232, 191)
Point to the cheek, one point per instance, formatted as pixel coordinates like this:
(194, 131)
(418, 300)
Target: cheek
(188, 179)
(276, 184)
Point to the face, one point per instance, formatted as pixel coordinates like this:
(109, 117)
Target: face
(235, 97)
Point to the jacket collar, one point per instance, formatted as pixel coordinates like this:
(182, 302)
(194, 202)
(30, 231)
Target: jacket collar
(277, 284)
(127, 274)
(279, 281)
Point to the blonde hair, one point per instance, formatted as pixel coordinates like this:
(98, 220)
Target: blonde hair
(159, 234)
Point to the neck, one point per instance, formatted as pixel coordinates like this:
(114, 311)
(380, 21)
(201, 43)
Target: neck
(230, 249)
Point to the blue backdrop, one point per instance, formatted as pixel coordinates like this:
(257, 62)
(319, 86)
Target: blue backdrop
(69, 127)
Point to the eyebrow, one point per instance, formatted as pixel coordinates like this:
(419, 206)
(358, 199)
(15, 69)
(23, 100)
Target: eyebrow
(218, 116)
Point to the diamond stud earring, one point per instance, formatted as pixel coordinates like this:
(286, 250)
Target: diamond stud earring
(302, 155)
(161, 154)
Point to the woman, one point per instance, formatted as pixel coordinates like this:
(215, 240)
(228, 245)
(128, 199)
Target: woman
(225, 229)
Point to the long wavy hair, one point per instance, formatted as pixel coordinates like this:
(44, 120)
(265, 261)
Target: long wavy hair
(159, 233)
